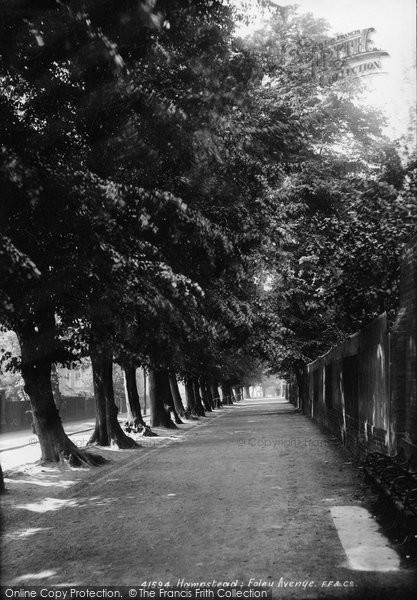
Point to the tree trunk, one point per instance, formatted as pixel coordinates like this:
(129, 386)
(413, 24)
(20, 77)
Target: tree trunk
(55, 387)
(198, 403)
(145, 395)
(160, 399)
(170, 403)
(301, 377)
(107, 431)
(215, 394)
(2, 486)
(227, 394)
(179, 407)
(37, 344)
(205, 398)
(235, 394)
(211, 398)
(134, 414)
(246, 392)
(190, 399)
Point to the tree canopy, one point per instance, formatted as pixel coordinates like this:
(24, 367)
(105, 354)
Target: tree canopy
(182, 199)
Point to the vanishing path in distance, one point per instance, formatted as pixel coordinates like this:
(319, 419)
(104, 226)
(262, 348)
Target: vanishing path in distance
(258, 494)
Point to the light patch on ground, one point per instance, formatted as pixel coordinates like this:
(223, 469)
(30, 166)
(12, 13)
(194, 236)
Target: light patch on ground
(47, 505)
(54, 504)
(61, 484)
(365, 546)
(24, 533)
(33, 576)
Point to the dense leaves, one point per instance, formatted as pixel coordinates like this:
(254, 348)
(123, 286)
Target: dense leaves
(182, 199)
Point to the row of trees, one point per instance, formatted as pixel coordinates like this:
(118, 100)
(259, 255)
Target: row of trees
(178, 198)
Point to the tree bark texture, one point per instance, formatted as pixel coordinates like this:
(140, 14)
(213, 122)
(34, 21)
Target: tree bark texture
(108, 431)
(205, 398)
(197, 398)
(37, 343)
(227, 394)
(216, 395)
(134, 412)
(160, 399)
(179, 407)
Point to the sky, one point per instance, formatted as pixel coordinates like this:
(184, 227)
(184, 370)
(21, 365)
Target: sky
(395, 23)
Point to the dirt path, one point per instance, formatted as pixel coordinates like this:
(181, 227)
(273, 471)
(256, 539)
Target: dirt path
(251, 494)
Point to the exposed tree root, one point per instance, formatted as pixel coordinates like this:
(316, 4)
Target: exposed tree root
(176, 419)
(80, 459)
(75, 457)
(134, 423)
(116, 439)
(125, 444)
(139, 428)
(147, 432)
(167, 422)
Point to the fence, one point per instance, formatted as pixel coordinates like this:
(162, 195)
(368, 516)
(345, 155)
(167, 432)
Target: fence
(17, 415)
(364, 391)
(404, 354)
(348, 389)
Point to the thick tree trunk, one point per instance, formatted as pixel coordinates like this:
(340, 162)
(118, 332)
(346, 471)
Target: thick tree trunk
(108, 431)
(2, 486)
(37, 343)
(190, 399)
(205, 398)
(160, 399)
(216, 395)
(301, 377)
(176, 396)
(227, 394)
(145, 394)
(211, 398)
(55, 387)
(134, 414)
(170, 403)
(246, 392)
(235, 394)
(197, 397)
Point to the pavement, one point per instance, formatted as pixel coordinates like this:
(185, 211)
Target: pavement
(254, 494)
(22, 446)
(12, 440)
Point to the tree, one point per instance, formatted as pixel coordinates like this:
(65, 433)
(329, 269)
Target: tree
(2, 486)
(44, 117)
(160, 399)
(343, 205)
